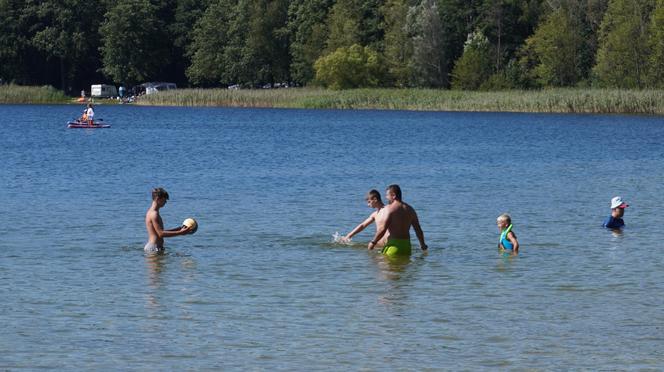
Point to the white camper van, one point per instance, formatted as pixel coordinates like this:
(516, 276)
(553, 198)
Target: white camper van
(154, 87)
(103, 91)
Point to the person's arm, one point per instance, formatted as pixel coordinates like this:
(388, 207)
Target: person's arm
(161, 233)
(360, 227)
(515, 243)
(380, 231)
(419, 232)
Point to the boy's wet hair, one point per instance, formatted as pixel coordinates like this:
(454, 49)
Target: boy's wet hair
(505, 217)
(396, 190)
(159, 192)
(374, 194)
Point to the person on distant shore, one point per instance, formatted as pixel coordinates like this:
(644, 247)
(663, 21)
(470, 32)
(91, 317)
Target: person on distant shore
(373, 201)
(399, 217)
(615, 221)
(154, 224)
(507, 242)
(90, 114)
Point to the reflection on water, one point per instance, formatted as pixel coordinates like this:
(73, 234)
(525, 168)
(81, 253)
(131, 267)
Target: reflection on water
(398, 274)
(156, 265)
(390, 268)
(506, 260)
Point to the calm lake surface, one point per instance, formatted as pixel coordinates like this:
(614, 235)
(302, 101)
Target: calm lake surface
(263, 286)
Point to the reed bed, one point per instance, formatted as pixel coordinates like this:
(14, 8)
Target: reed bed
(17, 94)
(550, 100)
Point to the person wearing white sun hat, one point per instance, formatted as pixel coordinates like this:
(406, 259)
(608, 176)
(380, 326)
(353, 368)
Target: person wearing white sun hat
(615, 221)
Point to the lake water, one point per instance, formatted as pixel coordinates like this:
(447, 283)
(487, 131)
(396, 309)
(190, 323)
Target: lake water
(262, 285)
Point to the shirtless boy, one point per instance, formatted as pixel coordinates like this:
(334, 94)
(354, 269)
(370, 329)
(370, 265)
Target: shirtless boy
(377, 216)
(155, 225)
(399, 217)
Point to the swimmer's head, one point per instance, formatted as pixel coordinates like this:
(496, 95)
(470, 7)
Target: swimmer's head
(504, 220)
(393, 192)
(159, 193)
(373, 198)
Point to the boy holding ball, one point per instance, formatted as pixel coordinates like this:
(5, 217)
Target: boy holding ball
(155, 226)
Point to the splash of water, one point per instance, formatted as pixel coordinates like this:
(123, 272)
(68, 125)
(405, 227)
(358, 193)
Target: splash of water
(340, 239)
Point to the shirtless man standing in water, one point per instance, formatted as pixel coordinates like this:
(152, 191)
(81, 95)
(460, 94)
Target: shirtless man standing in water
(155, 225)
(373, 201)
(399, 217)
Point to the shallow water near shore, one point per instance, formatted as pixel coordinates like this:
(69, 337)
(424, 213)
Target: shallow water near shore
(262, 285)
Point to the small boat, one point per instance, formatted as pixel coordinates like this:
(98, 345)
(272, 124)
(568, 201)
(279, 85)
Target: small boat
(85, 124)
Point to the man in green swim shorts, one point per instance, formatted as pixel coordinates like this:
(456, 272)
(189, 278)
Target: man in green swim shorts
(399, 217)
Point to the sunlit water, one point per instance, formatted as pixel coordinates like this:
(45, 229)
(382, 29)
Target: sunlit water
(262, 284)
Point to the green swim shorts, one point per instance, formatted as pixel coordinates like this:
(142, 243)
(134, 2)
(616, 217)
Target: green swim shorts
(397, 247)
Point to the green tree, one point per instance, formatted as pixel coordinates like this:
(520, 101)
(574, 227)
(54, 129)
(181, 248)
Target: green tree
(308, 34)
(425, 28)
(351, 67)
(135, 44)
(66, 31)
(558, 44)
(398, 45)
(656, 44)
(507, 23)
(182, 16)
(473, 68)
(355, 22)
(12, 42)
(265, 52)
(459, 18)
(209, 40)
(234, 70)
(623, 52)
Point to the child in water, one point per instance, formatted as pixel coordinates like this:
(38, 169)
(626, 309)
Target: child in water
(508, 242)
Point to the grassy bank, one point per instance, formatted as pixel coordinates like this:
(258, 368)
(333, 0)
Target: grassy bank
(550, 100)
(16, 94)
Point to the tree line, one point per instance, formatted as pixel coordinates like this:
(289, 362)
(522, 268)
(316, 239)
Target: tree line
(458, 44)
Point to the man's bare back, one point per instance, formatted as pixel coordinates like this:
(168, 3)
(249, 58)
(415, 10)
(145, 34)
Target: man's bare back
(398, 217)
(401, 217)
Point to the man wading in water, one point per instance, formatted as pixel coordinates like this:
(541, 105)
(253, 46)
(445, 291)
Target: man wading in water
(399, 217)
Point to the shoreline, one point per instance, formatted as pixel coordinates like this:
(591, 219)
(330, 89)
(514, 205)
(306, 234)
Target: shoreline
(561, 100)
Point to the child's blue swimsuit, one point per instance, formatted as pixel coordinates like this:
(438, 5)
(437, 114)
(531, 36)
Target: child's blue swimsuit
(504, 242)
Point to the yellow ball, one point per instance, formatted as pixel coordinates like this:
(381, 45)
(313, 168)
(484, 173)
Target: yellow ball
(191, 224)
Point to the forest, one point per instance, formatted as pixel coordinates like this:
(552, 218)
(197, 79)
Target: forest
(339, 44)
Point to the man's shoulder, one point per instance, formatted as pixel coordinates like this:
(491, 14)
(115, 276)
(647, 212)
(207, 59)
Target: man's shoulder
(409, 208)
